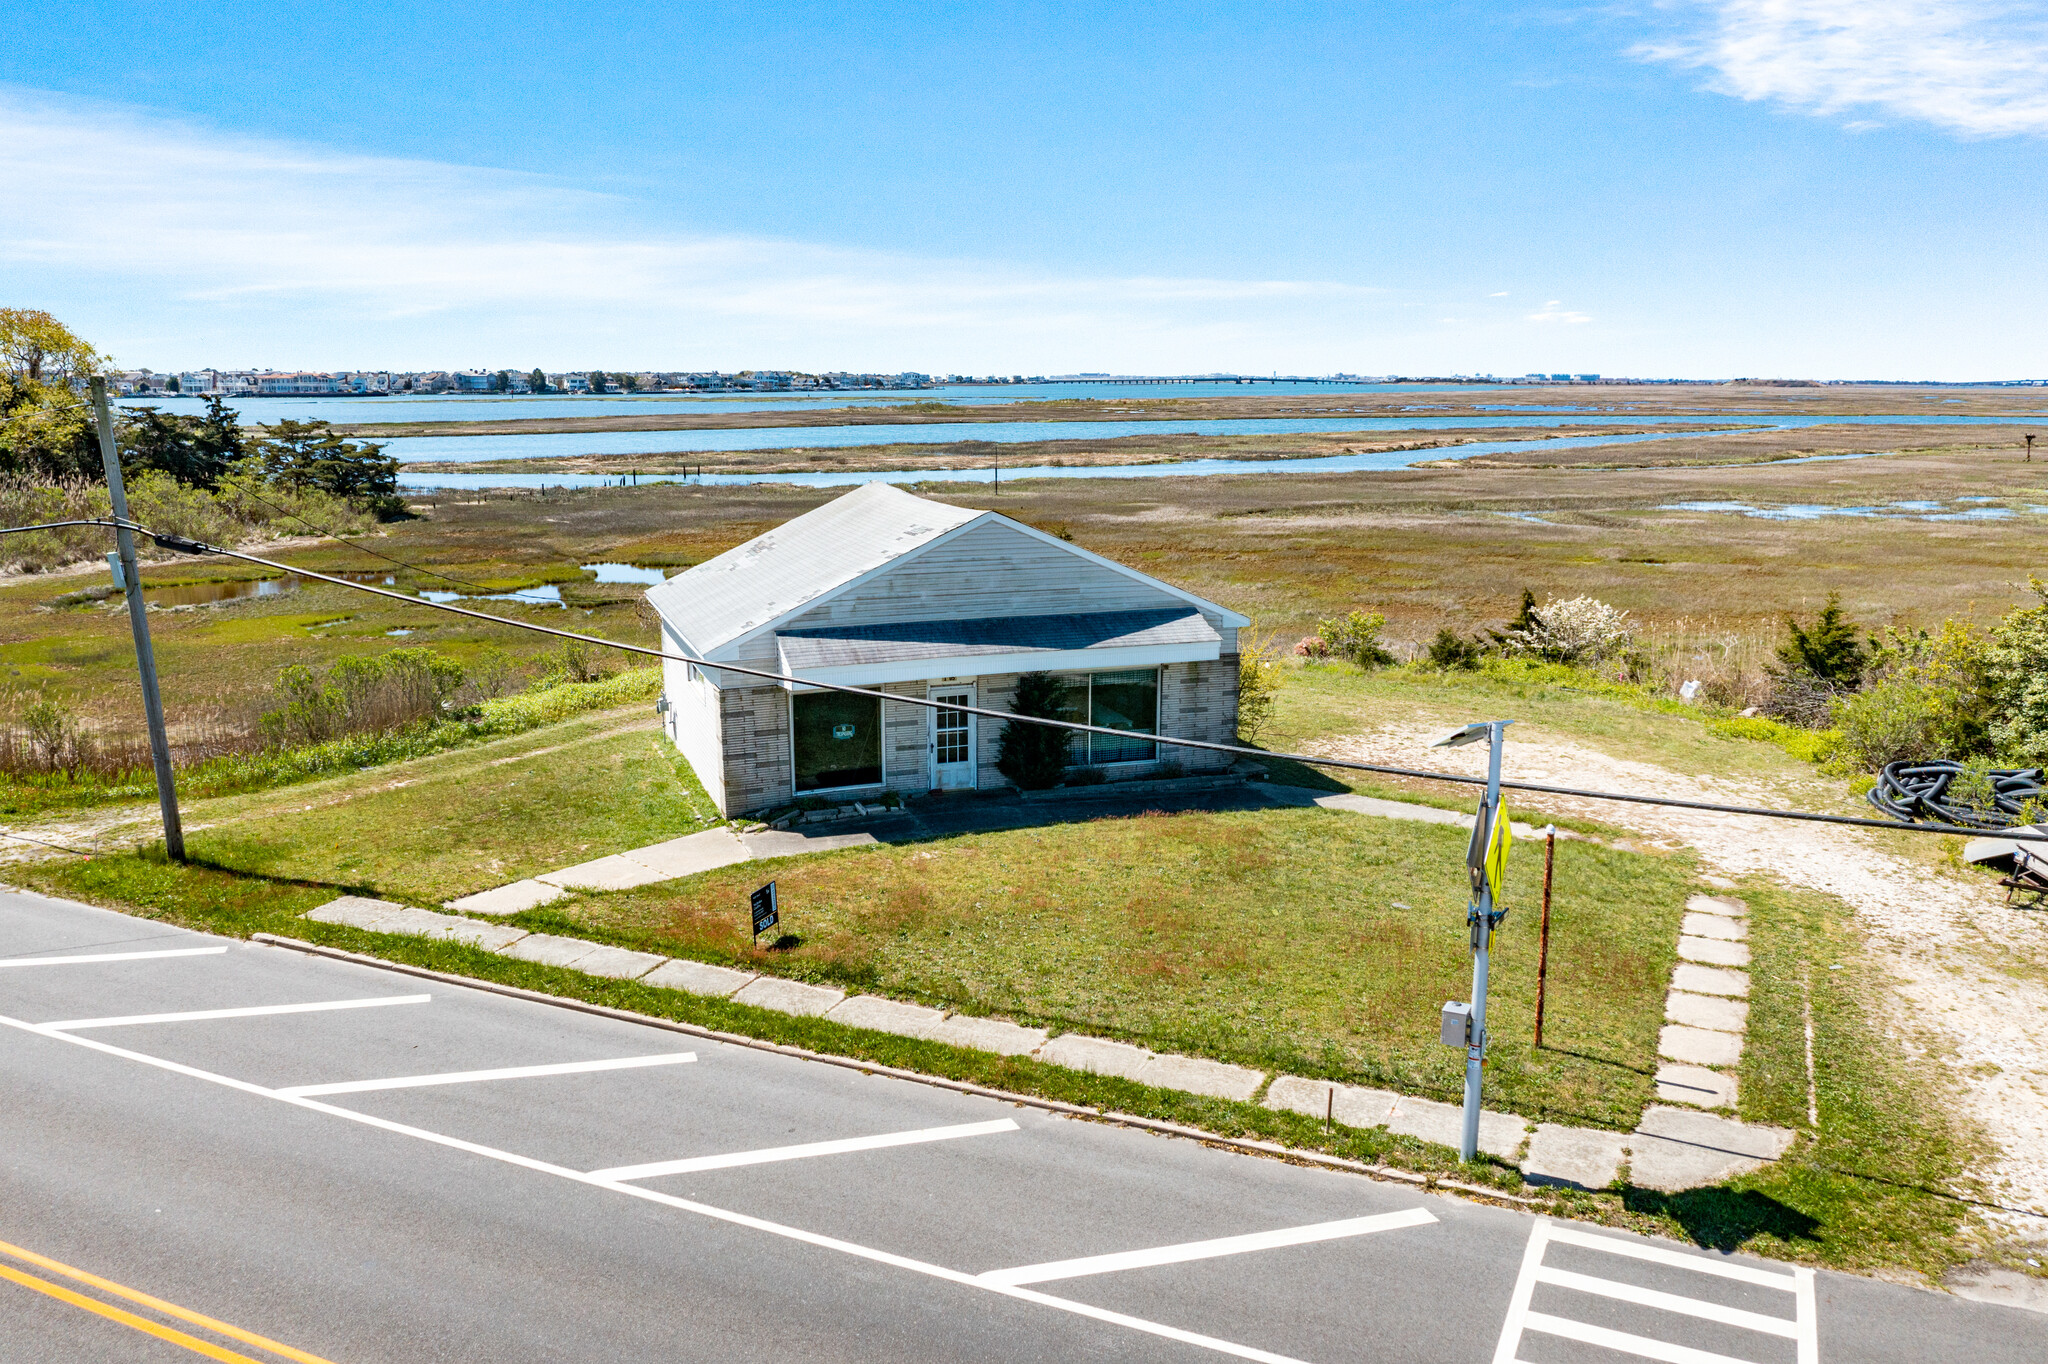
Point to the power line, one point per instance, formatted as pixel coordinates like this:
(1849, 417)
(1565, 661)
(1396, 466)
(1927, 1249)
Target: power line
(414, 568)
(188, 546)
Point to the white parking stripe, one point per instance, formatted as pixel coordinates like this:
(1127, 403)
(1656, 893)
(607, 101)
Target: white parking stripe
(462, 1077)
(1209, 1250)
(200, 1015)
(113, 956)
(1624, 1342)
(1678, 1259)
(1801, 1328)
(804, 1152)
(726, 1215)
(1669, 1302)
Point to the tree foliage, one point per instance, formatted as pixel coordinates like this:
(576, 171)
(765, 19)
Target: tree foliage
(299, 454)
(1035, 756)
(2016, 676)
(36, 348)
(1829, 650)
(1355, 637)
(195, 450)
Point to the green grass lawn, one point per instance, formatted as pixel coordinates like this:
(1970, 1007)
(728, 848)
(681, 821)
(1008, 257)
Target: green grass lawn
(1308, 941)
(439, 827)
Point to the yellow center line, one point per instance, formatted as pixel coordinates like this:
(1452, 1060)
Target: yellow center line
(176, 1337)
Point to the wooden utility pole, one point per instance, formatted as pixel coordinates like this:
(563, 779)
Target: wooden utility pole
(138, 624)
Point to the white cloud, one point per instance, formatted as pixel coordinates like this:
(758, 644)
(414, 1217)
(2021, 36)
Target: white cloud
(1502, 294)
(1978, 67)
(186, 245)
(1552, 313)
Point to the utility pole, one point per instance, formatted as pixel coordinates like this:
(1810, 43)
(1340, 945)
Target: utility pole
(1487, 862)
(138, 622)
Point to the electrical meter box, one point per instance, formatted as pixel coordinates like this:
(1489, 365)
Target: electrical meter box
(1457, 1024)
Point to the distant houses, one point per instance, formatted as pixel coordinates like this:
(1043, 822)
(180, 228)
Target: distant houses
(380, 383)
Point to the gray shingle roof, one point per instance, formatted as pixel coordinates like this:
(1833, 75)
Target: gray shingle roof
(848, 645)
(752, 584)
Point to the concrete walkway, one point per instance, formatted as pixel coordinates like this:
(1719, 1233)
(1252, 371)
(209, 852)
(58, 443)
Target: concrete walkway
(720, 847)
(678, 857)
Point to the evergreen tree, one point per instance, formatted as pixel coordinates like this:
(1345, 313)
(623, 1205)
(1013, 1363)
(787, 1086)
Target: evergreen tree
(1035, 756)
(1829, 650)
(537, 381)
(309, 455)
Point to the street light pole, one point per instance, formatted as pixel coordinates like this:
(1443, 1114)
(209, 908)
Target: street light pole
(138, 623)
(1486, 862)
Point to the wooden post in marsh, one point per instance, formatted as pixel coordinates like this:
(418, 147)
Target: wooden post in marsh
(2030, 447)
(1543, 935)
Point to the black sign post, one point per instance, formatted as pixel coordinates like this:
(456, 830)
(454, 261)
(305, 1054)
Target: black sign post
(765, 911)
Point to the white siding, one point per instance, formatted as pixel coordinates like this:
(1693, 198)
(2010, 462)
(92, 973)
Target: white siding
(693, 720)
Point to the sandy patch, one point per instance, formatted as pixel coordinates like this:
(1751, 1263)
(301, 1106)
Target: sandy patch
(1937, 934)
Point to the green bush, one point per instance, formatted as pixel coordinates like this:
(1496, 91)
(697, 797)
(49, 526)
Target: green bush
(1451, 650)
(1829, 651)
(1035, 756)
(2016, 678)
(1895, 719)
(1356, 637)
(1259, 675)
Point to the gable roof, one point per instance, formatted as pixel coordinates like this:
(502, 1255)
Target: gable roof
(828, 550)
(799, 561)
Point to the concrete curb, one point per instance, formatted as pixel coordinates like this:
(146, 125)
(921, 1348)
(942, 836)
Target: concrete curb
(1171, 1129)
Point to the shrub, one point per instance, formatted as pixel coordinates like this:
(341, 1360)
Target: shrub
(1035, 756)
(361, 694)
(2016, 682)
(1450, 650)
(1258, 684)
(1895, 719)
(1829, 651)
(1355, 637)
(1578, 630)
(1311, 646)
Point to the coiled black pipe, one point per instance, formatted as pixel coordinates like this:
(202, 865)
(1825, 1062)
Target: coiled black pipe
(1926, 791)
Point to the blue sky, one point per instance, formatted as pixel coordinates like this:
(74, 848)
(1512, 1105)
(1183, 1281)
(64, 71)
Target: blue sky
(1731, 187)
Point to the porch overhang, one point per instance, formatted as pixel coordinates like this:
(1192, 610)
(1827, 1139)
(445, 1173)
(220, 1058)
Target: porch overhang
(871, 655)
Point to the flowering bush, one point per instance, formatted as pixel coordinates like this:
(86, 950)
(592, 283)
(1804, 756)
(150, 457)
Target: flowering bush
(1580, 630)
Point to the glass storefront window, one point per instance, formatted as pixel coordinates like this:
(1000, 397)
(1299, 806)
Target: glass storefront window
(1124, 701)
(837, 740)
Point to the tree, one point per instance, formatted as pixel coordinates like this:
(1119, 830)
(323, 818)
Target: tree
(597, 381)
(171, 385)
(501, 382)
(37, 348)
(44, 432)
(537, 381)
(1829, 650)
(194, 450)
(1525, 623)
(1035, 756)
(626, 382)
(309, 455)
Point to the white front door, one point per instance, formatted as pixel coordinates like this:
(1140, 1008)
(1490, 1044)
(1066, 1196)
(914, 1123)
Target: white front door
(952, 739)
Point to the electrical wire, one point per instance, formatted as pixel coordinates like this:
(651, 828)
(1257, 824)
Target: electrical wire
(413, 568)
(189, 546)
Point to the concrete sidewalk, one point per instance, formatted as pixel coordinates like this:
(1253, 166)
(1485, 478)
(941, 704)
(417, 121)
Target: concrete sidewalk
(1672, 1149)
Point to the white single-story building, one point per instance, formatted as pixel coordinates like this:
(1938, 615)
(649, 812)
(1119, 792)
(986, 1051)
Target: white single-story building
(886, 590)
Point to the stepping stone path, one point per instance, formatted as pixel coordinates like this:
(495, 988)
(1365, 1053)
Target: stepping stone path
(1673, 1148)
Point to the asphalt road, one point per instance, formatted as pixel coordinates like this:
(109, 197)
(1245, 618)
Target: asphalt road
(516, 1218)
